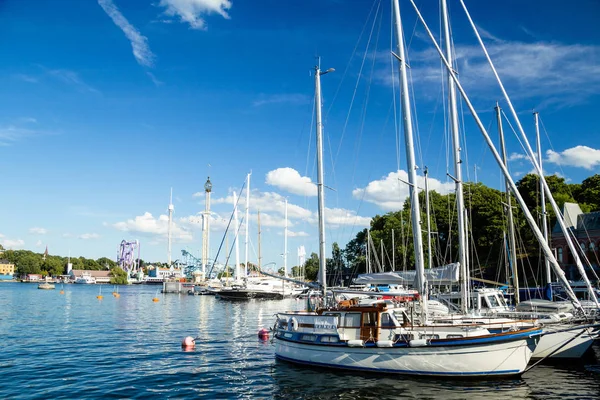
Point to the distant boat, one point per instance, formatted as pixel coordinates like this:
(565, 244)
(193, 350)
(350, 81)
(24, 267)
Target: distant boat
(85, 279)
(46, 286)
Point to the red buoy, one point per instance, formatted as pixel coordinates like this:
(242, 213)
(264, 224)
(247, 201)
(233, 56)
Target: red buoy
(263, 334)
(188, 343)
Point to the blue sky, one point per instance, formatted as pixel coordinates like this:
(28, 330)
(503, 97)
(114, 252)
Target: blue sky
(108, 104)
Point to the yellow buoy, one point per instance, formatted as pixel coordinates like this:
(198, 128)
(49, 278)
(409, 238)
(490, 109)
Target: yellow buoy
(62, 292)
(99, 297)
(156, 299)
(116, 294)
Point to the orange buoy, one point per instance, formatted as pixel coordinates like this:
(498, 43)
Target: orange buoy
(156, 299)
(62, 292)
(188, 343)
(99, 297)
(263, 334)
(115, 294)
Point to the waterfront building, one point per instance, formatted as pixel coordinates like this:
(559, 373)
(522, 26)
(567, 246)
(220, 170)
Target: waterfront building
(99, 276)
(7, 270)
(585, 228)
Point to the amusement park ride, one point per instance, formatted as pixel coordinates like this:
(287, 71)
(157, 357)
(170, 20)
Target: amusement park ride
(127, 260)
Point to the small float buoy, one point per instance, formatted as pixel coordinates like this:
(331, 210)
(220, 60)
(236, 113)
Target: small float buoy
(156, 299)
(99, 297)
(188, 343)
(62, 292)
(263, 334)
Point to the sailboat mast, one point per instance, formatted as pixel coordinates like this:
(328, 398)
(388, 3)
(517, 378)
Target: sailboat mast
(247, 223)
(511, 225)
(321, 181)
(429, 255)
(536, 231)
(285, 235)
(420, 282)
(236, 226)
(456, 149)
(393, 252)
(259, 253)
(542, 195)
(170, 228)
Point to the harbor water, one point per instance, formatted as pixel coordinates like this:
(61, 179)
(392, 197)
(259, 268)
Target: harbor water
(74, 346)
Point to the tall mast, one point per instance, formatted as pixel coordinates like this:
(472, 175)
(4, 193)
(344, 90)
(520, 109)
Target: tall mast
(460, 201)
(236, 227)
(531, 154)
(247, 222)
(429, 255)
(511, 226)
(542, 195)
(393, 252)
(259, 254)
(420, 281)
(321, 181)
(536, 231)
(285, 234)
(206, 226)
(170, 228)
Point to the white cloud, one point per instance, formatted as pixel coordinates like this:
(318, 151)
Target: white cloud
(146, 224)
(578, 156)
(296, 234)
(390, 192)
(87, 236)
(38, 231)
(335, 217)
(286, 98)
(289, 179)
(38, 243)
(139, 43)
(268, 202)
(193, 11)
(10, 244)
(517, 156)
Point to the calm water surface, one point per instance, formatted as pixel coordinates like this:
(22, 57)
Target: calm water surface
(73, 346)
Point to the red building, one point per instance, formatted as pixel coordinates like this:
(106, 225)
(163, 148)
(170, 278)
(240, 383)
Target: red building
(585, 230)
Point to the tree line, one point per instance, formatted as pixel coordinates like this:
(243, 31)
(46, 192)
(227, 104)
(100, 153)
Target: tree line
(487, 225)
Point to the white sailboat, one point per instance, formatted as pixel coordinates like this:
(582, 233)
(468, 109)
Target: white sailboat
(383, 337)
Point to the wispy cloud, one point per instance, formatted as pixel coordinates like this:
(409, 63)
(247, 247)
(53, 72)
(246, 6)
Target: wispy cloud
(153, 79)
(71, 78)
(38, 231)
(88, 236)
(148, 225)
(286, 98)
(578, 156)
(26, 78)
(11, 134)
(192, 12)
(11, 243)
(561, 74)
(139, 43)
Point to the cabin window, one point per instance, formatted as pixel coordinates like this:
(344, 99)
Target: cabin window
(288, 335)
(451, 336)
(369, 319)
(582, 246)
(592, 248)
(329, 339)
(560, 255)
(387, 321)
(352, 320)
(492, 301)
(430, 336)
(308, 338)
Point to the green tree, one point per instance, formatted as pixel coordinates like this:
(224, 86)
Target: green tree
(104, 261)
(119, 277)
(311, 267)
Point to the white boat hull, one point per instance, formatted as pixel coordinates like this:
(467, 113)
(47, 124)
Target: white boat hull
(496, 359)
(575, 341)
